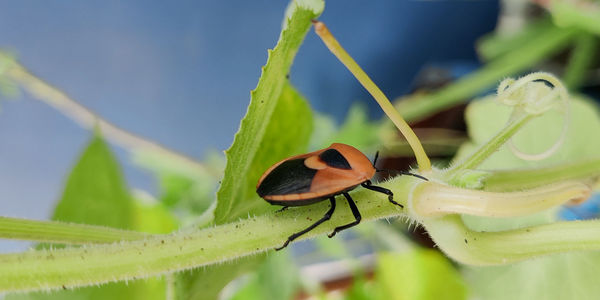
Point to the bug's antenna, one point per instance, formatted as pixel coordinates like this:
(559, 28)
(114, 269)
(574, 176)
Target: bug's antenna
(402, 173)
(375, 160)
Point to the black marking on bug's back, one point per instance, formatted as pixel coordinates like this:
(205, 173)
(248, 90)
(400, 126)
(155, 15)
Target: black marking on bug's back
(290, 177)
(334, 159)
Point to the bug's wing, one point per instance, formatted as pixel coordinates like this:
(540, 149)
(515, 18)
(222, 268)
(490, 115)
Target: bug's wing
(289, 177)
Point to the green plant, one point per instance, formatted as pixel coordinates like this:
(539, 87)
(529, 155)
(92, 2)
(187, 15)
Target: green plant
(488, 208)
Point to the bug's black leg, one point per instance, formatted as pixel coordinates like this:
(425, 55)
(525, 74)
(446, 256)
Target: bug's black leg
(282, 209)
(367, 184)
(326, 217)
(355, 212)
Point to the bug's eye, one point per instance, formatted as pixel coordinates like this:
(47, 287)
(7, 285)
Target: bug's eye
(334, 159)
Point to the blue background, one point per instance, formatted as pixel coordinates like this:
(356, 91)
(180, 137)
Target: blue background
(180, 73)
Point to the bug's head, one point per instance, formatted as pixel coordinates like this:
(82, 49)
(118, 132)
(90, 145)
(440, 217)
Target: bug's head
(394, 171)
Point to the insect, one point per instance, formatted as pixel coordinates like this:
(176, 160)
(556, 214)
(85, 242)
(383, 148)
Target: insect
(313, 177)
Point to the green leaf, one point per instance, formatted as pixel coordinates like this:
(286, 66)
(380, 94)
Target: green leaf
(96, 194)
(418, 275)
(277, 123)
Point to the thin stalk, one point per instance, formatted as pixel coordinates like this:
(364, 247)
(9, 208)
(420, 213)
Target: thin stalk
(156, 255)
(63, 233)
(466, 246)
(488, 148)
(86, 118)
(364, 79)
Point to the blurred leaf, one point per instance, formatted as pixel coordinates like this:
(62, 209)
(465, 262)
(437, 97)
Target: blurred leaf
(417, 275)
(277, 278)
(566, 276)
(361, 289)
(96, 194)
(287, 133)
(152, 216)
(324, 131)
(358, 131)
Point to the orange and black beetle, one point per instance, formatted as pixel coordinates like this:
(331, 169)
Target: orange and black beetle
(308, 178)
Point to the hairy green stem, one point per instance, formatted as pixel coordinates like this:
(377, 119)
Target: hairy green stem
(156, 255)
(62, 233)
(418, 107)
(493, 248)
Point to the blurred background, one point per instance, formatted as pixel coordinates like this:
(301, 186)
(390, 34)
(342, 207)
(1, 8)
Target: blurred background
(180, 74)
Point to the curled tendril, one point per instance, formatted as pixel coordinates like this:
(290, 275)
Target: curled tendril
(531, 95)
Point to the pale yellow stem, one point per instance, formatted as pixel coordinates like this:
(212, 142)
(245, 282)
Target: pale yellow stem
(337, 49)
(434, 199)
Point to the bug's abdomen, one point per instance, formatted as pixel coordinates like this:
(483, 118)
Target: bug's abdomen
(290, 177)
